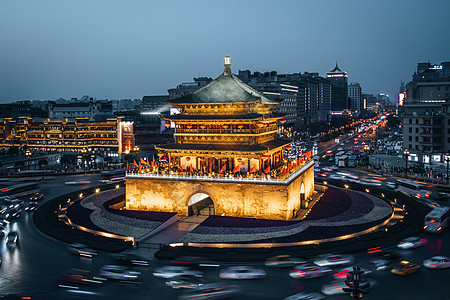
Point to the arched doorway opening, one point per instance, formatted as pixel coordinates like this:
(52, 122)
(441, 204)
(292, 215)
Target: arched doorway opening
(200, 204)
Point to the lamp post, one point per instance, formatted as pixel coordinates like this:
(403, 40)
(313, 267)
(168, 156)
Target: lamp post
(366, 150)
(447, 160)
(28, 154)
(136, 150)
(84, 161)
(406, 154)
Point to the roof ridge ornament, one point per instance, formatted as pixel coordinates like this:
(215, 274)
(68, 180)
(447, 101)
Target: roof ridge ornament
(227, 65)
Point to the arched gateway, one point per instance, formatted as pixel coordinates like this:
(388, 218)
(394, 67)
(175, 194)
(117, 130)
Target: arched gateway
(200, 204)
(228, 146)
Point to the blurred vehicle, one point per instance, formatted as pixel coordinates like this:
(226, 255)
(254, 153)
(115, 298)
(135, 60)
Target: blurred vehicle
(81, 250)
(282, 261)
(334, 260)
(412, 189)
(211, 291)
(405, 268)
(119, 273)
(83, 277)
(112, 176)
(382, 260)
(335, 286)
(185, 282)
(372, 182)
(12, 239)
(337, 177)
(436, 220)
(412, 242)
(131, 259)
(437, 262)
(194, 262)
(305, 296)
(391, 184)
(309, 271)
(78, 182)
(32, 206)
(242, 272)
(12, 213)
(342, 273)
(172, 271)
(36, 197)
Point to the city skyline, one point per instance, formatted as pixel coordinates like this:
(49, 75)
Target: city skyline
(115, 50)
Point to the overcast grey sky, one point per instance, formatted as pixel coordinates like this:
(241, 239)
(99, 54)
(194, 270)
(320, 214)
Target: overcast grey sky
(127, 49)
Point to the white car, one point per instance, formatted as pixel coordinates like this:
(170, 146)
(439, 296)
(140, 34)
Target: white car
(81, 250)
(437, 262)
(412, 242)
(172, 271)
(334, 260)
(78, 182)
(242, 272)
(305, 296)
(308, 271)
(391, 184)
(372, 182)
(119, 273)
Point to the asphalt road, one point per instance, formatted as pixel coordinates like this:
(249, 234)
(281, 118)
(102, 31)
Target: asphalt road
(36, 266)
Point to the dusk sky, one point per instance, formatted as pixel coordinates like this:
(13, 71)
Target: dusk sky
(128, 49)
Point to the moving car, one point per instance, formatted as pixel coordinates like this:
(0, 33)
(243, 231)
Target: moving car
(119, 273)
(335, 287)
(342, 273)
(11, 239)
(412, 242)
(32, 206)
(194, 262)
(305, 296)
(131, 259)
(281, 261)
(211, 291)
(185, 282)
(437, 262)
(78, 182)
(242, 272)
(81, 250)
(36, 197)
(405, 268)
(309, 271)
(82, 277)
(172, 271)
(334, 260)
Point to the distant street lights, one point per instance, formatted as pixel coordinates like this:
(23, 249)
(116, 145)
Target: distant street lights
(28, 154)
(447, 159)
(406, 154)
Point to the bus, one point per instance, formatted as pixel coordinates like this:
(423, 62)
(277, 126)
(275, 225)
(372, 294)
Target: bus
(413, 189)
(111, 176)
(436, 220)
(337, 156)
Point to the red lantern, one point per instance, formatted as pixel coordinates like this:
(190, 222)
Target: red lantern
(188, 158)
(288, 148)
(223, 159)
(167, 124)
(160, 154)
(202, 126)
(260, 124)
(239, 159)
(282, 121)
(188, 126)
(225, 126)
(240, 126)
(264, 157)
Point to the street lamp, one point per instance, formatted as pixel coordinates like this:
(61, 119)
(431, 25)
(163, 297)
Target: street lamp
(28, 154)
(406, 154)
(447, 159)
(136, 150)
(366, 150)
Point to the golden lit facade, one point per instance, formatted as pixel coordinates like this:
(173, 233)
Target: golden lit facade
(73, 135)
(226, 147)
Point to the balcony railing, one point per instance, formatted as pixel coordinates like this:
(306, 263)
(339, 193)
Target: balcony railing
(264, 179)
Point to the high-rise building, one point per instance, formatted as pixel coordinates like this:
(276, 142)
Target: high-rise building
(426, 118)
(339, 89)
(188, 87)
(356, 99)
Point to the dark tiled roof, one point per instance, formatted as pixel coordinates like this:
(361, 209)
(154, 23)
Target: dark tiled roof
(227, 147)
(227, 88)
(222, 117)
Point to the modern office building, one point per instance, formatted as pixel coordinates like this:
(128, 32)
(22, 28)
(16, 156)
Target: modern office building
(355, 96)
(93, 110)
(426, 116)
(339, 89)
